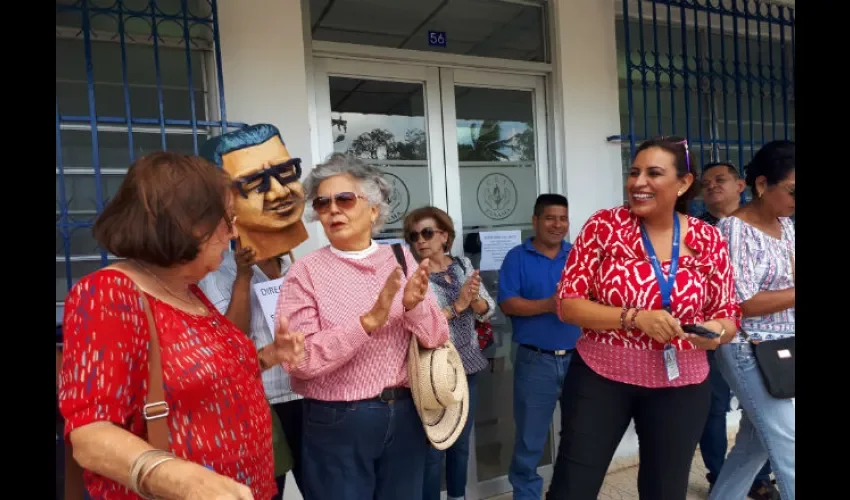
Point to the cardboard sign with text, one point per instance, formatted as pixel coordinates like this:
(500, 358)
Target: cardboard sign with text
(267, 293)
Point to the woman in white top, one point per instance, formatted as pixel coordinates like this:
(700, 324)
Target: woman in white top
(761, 244)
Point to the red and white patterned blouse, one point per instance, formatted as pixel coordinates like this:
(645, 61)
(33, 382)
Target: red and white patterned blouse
(324, 295)
(609, 265)
(218, 416)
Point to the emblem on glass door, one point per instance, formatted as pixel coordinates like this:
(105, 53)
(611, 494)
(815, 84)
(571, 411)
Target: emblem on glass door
(497, 196)
(399, 198)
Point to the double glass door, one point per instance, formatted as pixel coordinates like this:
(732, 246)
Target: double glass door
(472, 143)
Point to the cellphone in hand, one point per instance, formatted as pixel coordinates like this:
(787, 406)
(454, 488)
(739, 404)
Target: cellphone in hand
(699, 330)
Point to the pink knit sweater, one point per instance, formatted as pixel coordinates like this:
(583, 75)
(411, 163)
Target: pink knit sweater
(323, 296)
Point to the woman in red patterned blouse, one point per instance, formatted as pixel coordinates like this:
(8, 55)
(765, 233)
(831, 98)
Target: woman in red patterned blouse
(634, 361)
(171, 220)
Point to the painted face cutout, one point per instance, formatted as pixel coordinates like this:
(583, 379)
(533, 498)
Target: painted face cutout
(268, 197)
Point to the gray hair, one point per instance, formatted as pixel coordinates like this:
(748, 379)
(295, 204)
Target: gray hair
(370, 179)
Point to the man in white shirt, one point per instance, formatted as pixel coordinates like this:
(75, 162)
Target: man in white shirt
(268, 204)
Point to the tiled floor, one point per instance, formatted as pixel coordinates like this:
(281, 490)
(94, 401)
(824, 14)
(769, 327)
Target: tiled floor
(622, 485)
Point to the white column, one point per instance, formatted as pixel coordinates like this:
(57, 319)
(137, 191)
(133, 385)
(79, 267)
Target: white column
(265, 69)
(585, 98)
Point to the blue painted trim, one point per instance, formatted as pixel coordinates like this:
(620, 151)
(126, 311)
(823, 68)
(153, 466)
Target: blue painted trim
(184, 4)
(63, 201)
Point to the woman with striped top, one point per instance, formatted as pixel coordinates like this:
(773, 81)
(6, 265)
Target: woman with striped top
(363, 438)
(761, 245)
(430, 233)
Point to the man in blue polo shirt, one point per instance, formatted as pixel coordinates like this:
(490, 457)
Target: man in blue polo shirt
(527, 282)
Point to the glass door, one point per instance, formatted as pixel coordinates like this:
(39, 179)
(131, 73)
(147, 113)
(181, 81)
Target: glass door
(389, 115)
(496, 165)
(474, 144)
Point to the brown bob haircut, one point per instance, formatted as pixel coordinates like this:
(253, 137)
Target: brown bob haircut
(444, 222)
(166, 207)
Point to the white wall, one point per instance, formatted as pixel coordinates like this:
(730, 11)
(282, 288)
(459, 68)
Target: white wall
(585, 98)
(265, 67)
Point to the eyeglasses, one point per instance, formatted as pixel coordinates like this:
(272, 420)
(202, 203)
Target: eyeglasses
(284, 173)
(683, 142)
(427, 234)
(345, 201)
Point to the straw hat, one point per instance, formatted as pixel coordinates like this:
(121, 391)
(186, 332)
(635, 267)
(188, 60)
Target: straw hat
(439, 390)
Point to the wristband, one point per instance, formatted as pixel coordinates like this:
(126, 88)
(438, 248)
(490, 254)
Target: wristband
(632, 322)
(623, 317)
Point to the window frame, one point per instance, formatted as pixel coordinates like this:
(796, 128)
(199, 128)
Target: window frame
(206, 117)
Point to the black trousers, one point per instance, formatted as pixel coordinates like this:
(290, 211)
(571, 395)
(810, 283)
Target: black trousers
(291, 415)
(595, 413)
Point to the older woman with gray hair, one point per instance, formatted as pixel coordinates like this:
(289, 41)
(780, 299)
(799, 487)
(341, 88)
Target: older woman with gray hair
(357, 310)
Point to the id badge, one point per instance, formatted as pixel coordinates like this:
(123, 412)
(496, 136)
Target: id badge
(670, 362)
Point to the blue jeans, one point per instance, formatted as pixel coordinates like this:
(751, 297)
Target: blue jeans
(362, 450)
(538, 379)
(713, 443)
(457, 456)
(767, 428)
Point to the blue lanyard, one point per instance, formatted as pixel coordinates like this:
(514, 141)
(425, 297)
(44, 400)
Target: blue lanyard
(665, 286)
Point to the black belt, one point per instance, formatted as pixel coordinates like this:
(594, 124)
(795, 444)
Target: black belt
(559, 352)
(392, 394)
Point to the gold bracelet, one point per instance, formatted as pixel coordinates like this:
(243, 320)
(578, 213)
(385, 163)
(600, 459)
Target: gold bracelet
(146, 494)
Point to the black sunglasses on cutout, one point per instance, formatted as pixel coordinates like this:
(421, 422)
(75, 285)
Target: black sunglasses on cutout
(284, 173)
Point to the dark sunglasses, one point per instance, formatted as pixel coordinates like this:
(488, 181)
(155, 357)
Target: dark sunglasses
(427, 234)
(345, 201)
(261, 182)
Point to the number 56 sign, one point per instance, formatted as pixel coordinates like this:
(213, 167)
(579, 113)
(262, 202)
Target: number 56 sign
(437, 38)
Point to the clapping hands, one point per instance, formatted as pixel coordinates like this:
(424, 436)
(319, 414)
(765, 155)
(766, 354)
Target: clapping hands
(414, 293)
(469, 291)
(416, 287)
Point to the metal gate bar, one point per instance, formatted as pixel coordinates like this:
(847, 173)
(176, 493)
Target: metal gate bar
(720, 72)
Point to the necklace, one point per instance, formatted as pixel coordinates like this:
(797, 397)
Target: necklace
(202, 309)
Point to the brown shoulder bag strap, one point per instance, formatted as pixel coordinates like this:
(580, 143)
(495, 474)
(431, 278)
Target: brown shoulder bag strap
(156, 409)
(154, 412)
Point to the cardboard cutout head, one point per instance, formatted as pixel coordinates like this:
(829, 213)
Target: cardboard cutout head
(268, 197)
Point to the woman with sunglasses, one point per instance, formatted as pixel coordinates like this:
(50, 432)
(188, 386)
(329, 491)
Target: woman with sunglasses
(357, 310)
(430, 233)
(637, 279)
(761, 242)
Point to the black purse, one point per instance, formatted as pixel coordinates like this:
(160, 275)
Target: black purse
(776, 360)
